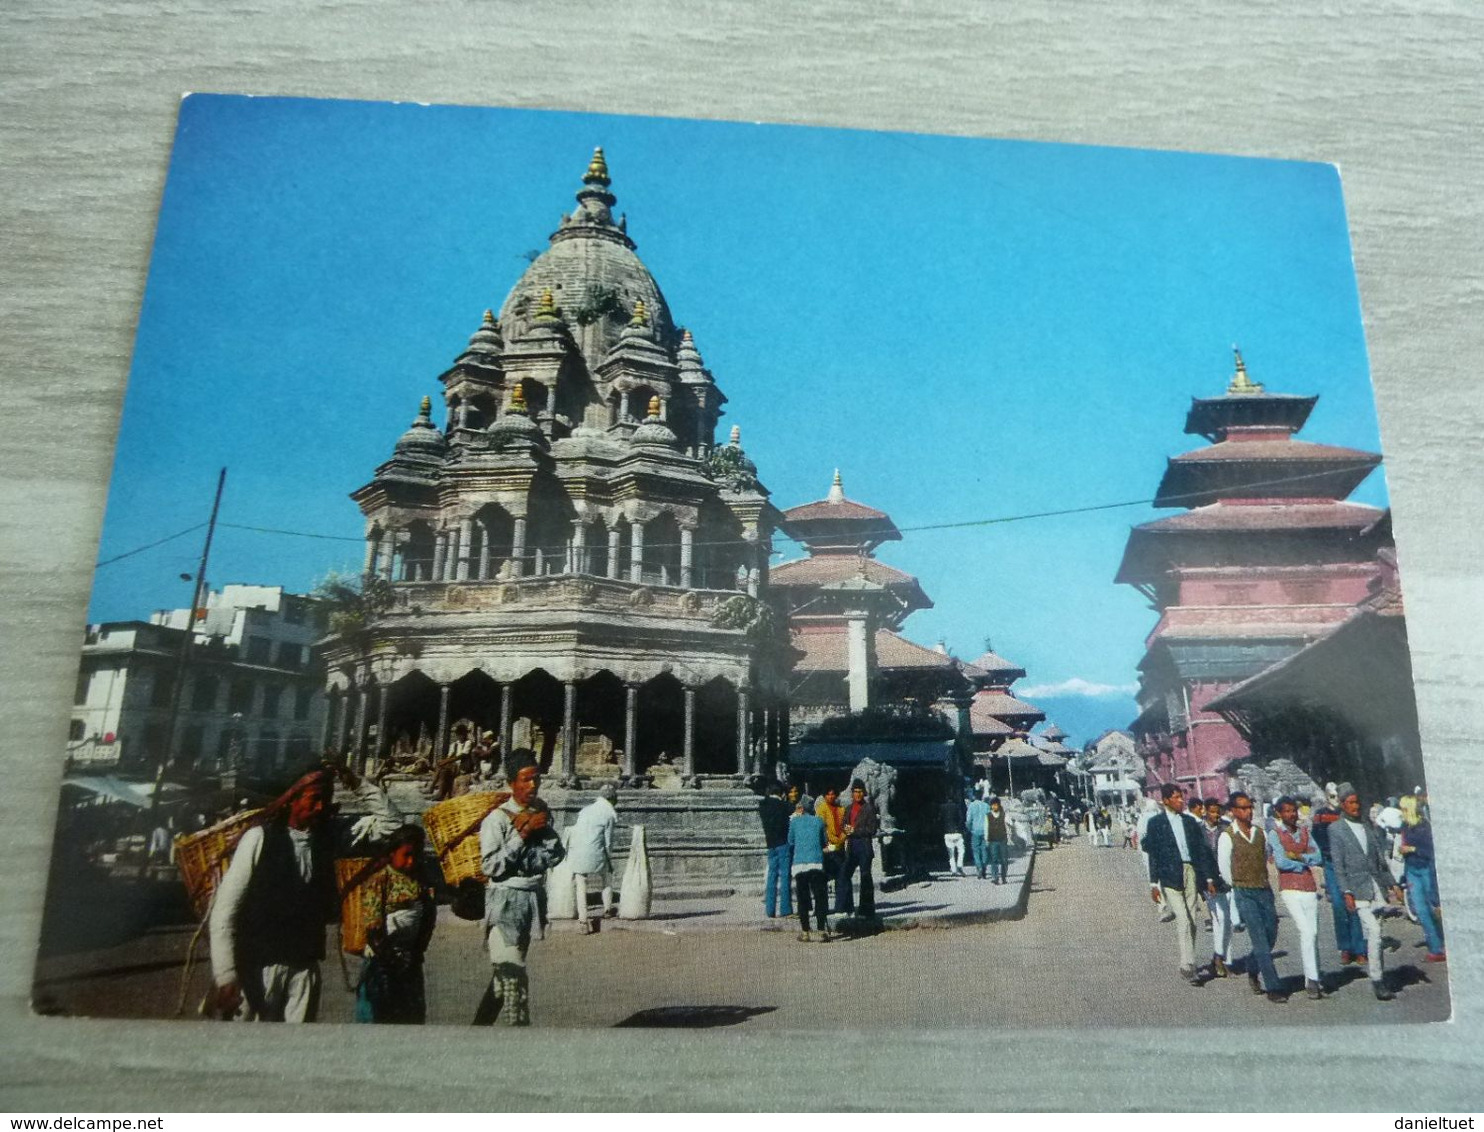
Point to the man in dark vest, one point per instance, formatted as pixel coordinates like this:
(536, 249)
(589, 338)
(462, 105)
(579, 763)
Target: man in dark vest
(1242, 857)
(269, 914)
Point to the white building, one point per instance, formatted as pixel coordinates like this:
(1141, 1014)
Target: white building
(253, 686)
(1116, 768)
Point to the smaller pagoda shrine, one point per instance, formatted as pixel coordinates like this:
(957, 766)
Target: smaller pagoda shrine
(997, 719)
(1265, 557)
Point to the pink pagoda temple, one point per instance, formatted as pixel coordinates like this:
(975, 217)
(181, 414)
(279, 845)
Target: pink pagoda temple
(1265, 557)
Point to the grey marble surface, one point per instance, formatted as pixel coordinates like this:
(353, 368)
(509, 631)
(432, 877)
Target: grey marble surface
(1389, 91)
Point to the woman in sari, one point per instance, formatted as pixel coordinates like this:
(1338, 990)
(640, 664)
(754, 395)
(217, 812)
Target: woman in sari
(399, 912)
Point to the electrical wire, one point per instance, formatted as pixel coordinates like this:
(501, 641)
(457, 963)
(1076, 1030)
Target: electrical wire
(147, 546)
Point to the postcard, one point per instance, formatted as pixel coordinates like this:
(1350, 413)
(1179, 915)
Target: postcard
(573, 570)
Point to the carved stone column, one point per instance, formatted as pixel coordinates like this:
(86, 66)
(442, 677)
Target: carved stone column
(342, 723)
(630, 730)
(359, 758)
(744, 728)
(440, 745)
(451, 556)
(466, 544)
(615, 537)
(578, 565)
(388, 555)
(687, 546)
(507, 691)
(327, 733)
(636, 552)
(484, 551)
(440, 554)
(370, 564)
(688, 749)
(518, 547)
(569, 731)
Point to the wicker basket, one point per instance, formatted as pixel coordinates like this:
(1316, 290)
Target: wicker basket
(203, 857)
(453, 828)
(351, 873)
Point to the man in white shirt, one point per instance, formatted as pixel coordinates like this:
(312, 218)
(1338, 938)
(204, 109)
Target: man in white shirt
(269, 913)
(590, 852)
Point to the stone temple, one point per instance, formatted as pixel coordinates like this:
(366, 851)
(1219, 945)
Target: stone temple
(573, 563)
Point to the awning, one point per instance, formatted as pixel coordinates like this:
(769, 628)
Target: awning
(119, 790)
(936, 753)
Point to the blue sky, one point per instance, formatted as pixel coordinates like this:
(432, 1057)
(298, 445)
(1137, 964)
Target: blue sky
(967, 328)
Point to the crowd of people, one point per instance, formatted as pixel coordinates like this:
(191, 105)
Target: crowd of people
(812, 844)
(1210, 860)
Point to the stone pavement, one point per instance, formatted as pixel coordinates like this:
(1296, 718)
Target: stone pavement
(1088, 952)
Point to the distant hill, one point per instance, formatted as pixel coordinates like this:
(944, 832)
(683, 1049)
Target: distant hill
(1084, 718)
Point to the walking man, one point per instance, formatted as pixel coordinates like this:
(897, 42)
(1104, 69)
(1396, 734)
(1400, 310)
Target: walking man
(1349, 940)
(1243, 861)
(1218, 903)
(1364, 879)
(860, 830)
(517, 844)
(1294, 852)
(978, 846)
(997, 841)
(774, 813)
(590, 853)
(1180, 869)
(269, 914)
(952, 811)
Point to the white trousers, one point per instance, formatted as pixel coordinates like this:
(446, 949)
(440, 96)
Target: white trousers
(579, 890)
(1184, 902)
(1303, 910)
(1371, 926)
(1221, 925)
(955, 844)
(282, 994)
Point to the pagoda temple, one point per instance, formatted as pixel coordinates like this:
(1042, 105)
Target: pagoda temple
(997, 717)
(1264, 557)
(569, 560)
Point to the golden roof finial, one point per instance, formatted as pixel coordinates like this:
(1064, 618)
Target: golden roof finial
(518, 396)
(1241, 383)
(736, 436)
(489, 318)
(597, 168)
(546, 309)
(641, 314)
(837, 489)
(425, 409)
(654, 407)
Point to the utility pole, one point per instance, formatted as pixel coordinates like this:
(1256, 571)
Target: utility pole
(168, 756)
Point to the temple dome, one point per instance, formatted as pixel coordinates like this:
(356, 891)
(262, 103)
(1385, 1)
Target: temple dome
(593, 272)
(422, 437)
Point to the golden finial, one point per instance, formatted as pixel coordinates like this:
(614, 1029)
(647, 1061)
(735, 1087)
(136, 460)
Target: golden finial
(837, 489)
(654, 408)
(641, 314)
(1241, 383)
(685, 336)
(425, 410)
(489, 318)
(597, 169)
(736, 436)
(518, 396)
(546, 309)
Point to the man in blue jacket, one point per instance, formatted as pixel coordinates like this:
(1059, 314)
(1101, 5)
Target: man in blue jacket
(1181, 869)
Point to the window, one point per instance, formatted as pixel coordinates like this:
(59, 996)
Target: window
(240, 700)
(76, 730)
(290, 654)
(293, 612)
(203, 692)
(259, 650)
(164, 685)
(192, 745)
(303, 697)
(84, 686)
(272, 694)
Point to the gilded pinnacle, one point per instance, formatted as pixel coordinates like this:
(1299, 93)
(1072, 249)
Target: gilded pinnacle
(518, 396)
(597, 169)
(641, 314)
(654, 408)
(837, 489)
(736, 436)
(1241, 383)
(489, 318)
(547, 308)
(425, 410)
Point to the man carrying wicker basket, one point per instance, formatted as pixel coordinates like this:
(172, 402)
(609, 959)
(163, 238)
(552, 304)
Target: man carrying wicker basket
(517, 844)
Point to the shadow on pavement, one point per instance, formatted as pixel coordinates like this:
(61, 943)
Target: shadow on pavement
(692, 1017)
